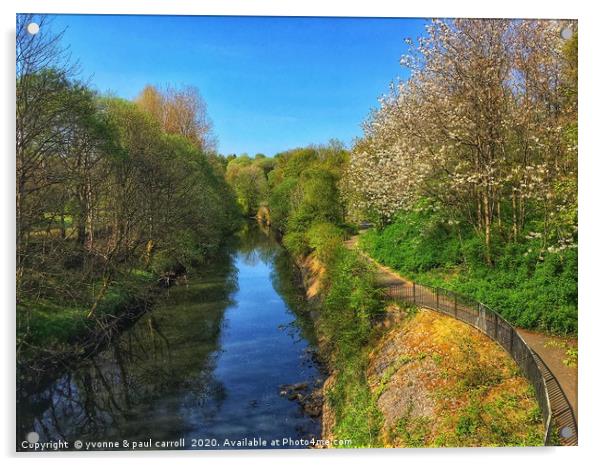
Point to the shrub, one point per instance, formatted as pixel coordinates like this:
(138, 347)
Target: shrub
(324, 239)
(296, 243)
(528, 285)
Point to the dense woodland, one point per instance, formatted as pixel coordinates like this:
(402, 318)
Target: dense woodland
(111, 194)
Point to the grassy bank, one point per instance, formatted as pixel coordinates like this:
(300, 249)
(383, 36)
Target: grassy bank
(349, 304)
(51, 327)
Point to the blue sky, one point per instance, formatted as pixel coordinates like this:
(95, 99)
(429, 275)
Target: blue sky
(270, 84)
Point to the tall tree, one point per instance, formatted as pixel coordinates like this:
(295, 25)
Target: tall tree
(180, 111)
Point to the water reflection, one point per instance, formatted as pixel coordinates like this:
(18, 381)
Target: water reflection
(207, 362)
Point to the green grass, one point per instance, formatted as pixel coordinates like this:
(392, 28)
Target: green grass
(357, 415)
(51, 323)
(413, 430)
(45, 323)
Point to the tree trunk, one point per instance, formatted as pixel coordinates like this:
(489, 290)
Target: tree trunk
(487, 225)
(514, 219)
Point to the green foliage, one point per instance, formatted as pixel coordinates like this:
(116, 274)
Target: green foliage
(350, 302)
(469, 420)
(193, 205)
(296, 243)
(317, 200)
(45, 323)
(305, 205)
(280, 202)
(324, 239)
(248, 178)
(357, 415)
(416, 241)
(124, 195)
(529, 285)
(304, 187)
(413, 430)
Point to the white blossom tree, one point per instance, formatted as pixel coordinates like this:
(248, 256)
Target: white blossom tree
(479, 129)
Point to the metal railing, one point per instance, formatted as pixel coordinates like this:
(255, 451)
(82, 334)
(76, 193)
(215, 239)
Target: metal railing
(556, 411)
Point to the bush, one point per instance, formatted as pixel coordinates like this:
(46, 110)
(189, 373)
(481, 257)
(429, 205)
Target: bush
(296, 243)
(350, 302)
(324, 239)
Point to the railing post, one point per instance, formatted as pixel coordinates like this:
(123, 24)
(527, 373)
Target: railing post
(455, 305)
(512, 339)
(496, 321)
(414, 291)
(437, 293)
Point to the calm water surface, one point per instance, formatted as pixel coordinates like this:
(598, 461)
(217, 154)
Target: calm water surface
(206, 363)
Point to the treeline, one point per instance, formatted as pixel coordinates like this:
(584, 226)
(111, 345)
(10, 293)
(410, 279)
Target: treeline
(469, 168)
(109, 192)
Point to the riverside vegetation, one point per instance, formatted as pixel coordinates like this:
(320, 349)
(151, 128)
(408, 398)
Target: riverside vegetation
(472, 388)
(468, 171)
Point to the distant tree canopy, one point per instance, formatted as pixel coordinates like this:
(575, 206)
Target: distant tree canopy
(247, 176)
(179, 111)
(304, 187)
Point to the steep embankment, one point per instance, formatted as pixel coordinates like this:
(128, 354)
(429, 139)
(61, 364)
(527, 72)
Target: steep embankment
(439, 382)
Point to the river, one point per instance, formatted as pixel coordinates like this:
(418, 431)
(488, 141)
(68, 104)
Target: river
(206, 365)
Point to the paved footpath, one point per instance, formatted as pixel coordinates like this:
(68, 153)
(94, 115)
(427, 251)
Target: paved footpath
(551, 349)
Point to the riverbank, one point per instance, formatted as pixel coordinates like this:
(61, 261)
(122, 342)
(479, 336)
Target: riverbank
(51, 335)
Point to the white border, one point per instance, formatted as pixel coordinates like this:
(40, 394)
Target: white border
(590, 180)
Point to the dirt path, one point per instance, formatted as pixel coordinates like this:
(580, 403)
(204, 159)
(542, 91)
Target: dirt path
(551, 349)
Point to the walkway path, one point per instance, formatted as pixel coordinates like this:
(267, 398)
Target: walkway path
(549, 348)
(553, 352)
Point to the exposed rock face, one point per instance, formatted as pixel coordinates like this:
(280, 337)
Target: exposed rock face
(406, 390)
(439, 382)
(312, 272)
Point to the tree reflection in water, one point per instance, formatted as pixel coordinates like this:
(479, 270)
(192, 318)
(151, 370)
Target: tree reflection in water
(160, 367)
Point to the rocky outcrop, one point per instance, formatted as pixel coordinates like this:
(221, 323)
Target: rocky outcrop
(440, 382)
(309, 396)
(312, 273)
